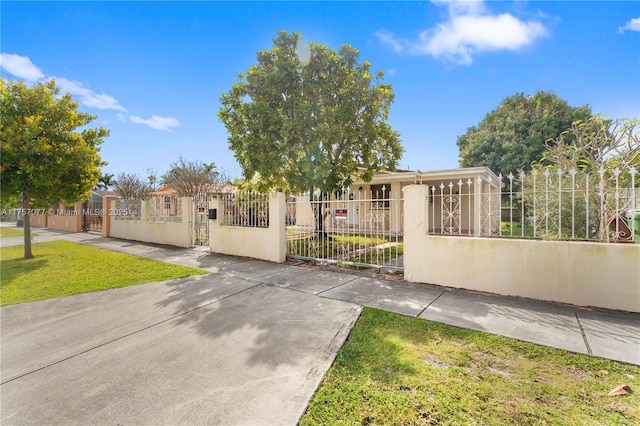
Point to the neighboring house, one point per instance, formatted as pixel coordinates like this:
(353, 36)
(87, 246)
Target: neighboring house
(464, 190)
(167, 202)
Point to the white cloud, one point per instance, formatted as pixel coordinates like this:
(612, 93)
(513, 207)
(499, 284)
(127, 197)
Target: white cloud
(463, 36)
(156, 122)
(632, 25)
(470, 30)
(87, 96)
(20, 67)
(387, 37)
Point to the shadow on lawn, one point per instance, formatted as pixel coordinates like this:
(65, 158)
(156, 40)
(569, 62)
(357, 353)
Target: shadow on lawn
(14, 268)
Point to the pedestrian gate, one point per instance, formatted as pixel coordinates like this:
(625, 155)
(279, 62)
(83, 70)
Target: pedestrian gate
(200, 232)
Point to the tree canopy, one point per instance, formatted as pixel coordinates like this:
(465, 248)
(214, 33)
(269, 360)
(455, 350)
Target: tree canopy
(130, 186)
(595, 144)
(48, 155)
(190, 178)
(513, 136)
(305, 116)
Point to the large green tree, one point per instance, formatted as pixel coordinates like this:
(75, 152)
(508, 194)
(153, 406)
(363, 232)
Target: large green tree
(513, 136)
(308, 117)
(48, 155)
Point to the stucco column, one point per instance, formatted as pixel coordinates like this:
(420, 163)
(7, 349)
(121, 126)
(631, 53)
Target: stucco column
(214, 224)
(277, 225)
(416, 219)
(109, 205)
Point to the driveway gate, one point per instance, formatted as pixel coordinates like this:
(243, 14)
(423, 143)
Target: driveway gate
(352, 228)
(92, 215)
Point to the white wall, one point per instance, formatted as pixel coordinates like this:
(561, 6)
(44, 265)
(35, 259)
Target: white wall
(170, 233)
(259, 243)
(580, 273)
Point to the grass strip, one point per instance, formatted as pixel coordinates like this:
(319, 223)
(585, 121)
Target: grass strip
(6, 232)
(61, 268)
(398, 370)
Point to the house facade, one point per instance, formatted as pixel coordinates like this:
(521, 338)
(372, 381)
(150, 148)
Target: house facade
(455, 197)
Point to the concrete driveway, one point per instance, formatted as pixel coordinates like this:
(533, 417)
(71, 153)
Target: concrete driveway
(214, 349)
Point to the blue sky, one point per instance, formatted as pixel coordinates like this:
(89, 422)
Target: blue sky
(154, 71)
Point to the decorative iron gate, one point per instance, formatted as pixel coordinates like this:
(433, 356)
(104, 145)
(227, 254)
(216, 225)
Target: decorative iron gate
(348, 227)
(92, 215)
(200, 231)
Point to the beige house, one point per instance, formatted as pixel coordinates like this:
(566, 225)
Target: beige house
(455, 198)
(465, 190)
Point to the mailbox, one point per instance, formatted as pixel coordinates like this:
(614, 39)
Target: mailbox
(213, 214)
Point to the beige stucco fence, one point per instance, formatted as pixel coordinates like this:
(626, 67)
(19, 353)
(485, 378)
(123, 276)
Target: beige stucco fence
(267, 243)
(581, 273)
(605, 275)
(145, 227)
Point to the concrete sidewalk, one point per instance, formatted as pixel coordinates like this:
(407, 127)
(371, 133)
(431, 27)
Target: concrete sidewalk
(604, 333)
(246, 344)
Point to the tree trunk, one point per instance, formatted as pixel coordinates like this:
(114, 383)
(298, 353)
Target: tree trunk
(26, 201)
(321, 234)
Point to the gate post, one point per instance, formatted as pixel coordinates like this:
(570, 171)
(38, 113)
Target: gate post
(214, 225)
(108, 209)
(277, 220)
(416, 222)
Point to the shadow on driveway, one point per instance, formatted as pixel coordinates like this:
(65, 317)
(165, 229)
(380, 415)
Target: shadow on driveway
(213, 349)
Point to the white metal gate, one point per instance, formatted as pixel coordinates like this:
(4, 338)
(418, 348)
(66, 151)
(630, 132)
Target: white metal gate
(200, 224)
(362, 228)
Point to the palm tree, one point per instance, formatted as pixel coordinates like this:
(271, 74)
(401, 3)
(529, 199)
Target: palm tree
(105, 182)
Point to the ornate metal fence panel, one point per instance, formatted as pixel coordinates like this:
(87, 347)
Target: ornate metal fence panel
(361, 228)
(128, 209)
(546, 203)
(162, 208)
(249, 209)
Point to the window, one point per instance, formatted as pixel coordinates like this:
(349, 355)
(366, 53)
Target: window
(381, 193)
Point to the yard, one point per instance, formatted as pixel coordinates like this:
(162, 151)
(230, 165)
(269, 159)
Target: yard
(399, 370)
(368, 249)
(62, 268)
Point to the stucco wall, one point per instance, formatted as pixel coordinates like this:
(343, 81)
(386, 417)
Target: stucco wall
(170, 233)
(38, 221)
(260, 243)
(69, 220)
(580, 273)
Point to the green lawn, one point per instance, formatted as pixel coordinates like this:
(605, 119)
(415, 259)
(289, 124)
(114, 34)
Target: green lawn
(352, 248)
(61, 268)
(399, 370)
(6, 232)
(511, 229)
